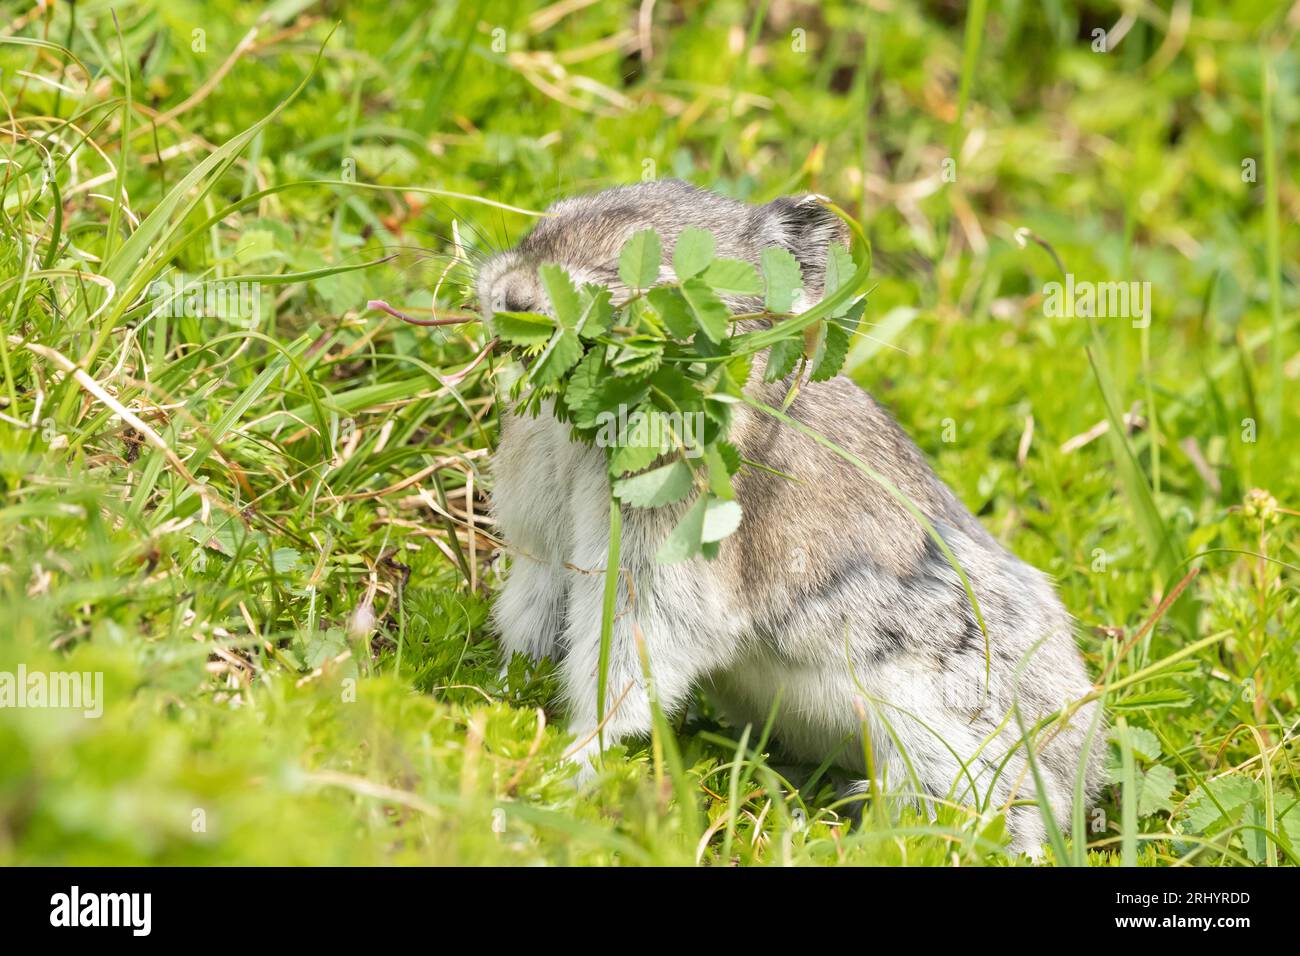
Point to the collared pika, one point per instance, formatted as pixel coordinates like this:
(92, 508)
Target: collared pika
(829, 596)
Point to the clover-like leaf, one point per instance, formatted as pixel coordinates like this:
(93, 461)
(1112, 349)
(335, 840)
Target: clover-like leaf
(1142, 741)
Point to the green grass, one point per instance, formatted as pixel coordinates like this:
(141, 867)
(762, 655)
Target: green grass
(270, 536)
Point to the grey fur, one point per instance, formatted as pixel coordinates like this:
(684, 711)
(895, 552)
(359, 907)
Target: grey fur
(829, 594)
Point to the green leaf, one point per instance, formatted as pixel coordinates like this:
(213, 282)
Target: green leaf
(1231, 792)
(1143, 742)
(583, 396)
(782, 357)
(523, 328)
(324, 645)
(652, 489)
(638, 264)
(563, 296)
(692, 252)
(1253, 838)
(730, 455)
(637, 356)
(683, 542)
(678, 391)
(560, 355)
(285, 560)
(672, 309)
(592, 390)
(254, 245)
(1156, 788)
(832, 353)
(784, 279)
(596, 312)
(721, 518)
(710, 313)
(637, 445)
(839, 270)
(734, 276)
(631, 457)
(1289, 817)
(719, 472)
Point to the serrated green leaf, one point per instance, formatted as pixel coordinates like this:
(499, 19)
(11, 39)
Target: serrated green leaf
(730, 456)
(637, 441)
(563, 296)
(1143, 742)
(637, 357)
(683, 542)
(672, 311)
(561, 354)
(708, 310)
(832, 352)
(719, 474)
(285, 560)
(1232, 792)
(595, 313)
(734, 276)
(523, 328)
(784, 280)
(839, 269)
(594, 396)
(653, 489)
(692, 252)
(625, 459)
(1156, 787)
(1253, 838)
(638, 263)
(721, 518)
(1289, 817)
(782, 358)
(583, 395)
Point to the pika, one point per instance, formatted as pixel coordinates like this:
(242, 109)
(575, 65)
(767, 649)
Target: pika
(830, 602)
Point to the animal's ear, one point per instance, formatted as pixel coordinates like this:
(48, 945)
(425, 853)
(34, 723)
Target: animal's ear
(804, 226)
